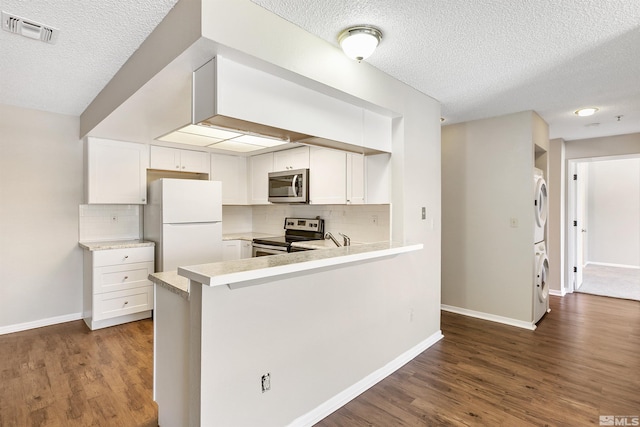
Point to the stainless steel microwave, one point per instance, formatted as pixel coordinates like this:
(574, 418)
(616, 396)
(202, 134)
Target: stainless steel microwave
(290, 186)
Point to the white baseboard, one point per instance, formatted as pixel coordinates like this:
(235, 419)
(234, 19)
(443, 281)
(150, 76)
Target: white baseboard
(341, 399)
(606, 264)
(39, 323)
(491, 317)
(558, 293)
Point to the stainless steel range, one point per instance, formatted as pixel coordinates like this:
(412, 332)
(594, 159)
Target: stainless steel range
(296, 230)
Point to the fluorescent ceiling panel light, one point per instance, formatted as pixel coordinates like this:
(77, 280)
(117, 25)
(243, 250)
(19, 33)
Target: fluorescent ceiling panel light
(210, 131)
(259, 140)
(231, 145)
(188, 138)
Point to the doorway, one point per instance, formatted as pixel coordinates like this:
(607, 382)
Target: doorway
(604, 226)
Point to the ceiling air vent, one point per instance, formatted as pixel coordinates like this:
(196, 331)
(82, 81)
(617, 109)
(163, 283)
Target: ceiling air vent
(28, 28)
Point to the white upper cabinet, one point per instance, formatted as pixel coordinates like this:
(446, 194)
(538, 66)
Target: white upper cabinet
(327, 176)
(355, 179)
(179, 160)
(232, 172)
(378, 179)
(259, 167)
(295, 158)
(116, 172)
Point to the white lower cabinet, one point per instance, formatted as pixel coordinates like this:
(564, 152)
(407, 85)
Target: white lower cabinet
(116, 286)
(236, 249)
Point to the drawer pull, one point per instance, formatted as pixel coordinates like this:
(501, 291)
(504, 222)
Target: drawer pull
(126, 302)
(126, 256)
(125, 278)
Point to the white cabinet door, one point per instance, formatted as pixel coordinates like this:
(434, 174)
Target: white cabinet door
(327, 176)
(167, 158)
(378, 179)
(259, 168)
(164, 158)
(194, 161)
(296, 158)
(232, 172)
(116, 172)
(246, 249)
(355, 179)
(231, 250)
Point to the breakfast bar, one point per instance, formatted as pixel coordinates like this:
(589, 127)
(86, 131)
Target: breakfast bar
(261, 332)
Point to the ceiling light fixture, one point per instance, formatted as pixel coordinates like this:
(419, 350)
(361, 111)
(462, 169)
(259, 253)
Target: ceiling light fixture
(584, 112)
(359, 42)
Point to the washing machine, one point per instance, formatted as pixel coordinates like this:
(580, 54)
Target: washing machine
(540, 287)
(540, 204)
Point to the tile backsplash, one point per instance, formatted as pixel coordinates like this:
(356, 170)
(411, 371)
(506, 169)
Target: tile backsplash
(362, 223)
(110, 222)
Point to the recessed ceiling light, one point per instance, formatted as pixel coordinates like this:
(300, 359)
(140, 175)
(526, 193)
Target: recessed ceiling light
(584, 112)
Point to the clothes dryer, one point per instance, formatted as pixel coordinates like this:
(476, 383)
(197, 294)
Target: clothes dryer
(540, 286)
(540, 204)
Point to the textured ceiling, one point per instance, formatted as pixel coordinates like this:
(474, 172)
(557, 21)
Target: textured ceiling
(479, 58)
(485, 58)
(96, 38)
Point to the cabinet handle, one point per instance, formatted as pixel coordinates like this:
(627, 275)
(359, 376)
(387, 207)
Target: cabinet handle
(126, 302)
(177, 166)
(126, 277)
(144, 200)
(126, 256)
(183, 167)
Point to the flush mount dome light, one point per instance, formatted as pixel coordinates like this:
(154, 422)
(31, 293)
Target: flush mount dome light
(359, 42)
(584, 112)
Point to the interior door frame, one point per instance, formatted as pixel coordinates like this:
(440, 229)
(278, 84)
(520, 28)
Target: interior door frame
(573, 167)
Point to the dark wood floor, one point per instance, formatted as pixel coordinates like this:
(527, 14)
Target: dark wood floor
(583, 361)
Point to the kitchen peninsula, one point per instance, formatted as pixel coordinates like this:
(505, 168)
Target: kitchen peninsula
(261, 331)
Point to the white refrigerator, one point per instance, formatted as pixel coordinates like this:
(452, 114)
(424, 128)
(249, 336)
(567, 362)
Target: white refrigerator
(184, 219)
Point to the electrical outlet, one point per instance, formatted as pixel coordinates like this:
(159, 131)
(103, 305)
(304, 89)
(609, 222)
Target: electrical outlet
(266, 382)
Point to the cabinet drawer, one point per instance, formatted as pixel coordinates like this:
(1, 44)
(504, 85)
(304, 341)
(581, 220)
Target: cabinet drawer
(120, 303)
(121, 277)
(123, 256)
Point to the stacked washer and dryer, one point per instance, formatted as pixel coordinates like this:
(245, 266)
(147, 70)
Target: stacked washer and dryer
(540, 287)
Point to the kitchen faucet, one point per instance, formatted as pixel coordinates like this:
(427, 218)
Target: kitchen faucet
(330, 236)
(347, 239)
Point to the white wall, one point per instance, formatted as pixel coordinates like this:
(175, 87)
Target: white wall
(487, 180)
(555, 226)
(613, 212)
(40, 190)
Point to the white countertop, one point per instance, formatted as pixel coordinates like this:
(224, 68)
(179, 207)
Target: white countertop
(115, 244)
(234, 273)
(248, 235)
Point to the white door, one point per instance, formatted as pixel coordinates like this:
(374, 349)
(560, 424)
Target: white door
(190, 244)
(190, 200)
(581, 217)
